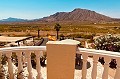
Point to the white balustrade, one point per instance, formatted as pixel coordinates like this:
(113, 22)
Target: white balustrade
(108, 55)
(10, 67)
(94, 70)
(38, 66)
(84, 66)
(106, 67)
(38, 50)
(117, 75)
(20, 66)
(29, 66)
(27, 51)
(2, 76)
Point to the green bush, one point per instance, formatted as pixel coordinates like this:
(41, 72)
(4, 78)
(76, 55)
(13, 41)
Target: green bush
(108, 42)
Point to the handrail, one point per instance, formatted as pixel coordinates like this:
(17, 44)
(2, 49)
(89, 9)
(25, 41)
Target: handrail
(38, 50)
(99, 52)
(43, 48)
(31, 48)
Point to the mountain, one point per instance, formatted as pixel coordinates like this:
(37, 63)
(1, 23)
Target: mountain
(81, 15)
(77, 15)
(10, 19)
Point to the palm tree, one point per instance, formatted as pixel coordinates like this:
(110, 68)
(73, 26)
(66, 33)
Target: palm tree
(57, 28)
(38, 33)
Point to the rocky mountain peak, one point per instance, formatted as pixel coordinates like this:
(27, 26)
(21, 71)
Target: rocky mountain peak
(78, 14)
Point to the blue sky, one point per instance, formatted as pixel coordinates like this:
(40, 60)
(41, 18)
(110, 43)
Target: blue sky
(32, 9)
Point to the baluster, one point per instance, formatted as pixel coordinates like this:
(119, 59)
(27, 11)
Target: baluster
(86, 44)
(38, 66)
(20, 66)
(117, 74)
(84, 67)
(10, 67)
(106, 67)
(24, 60)
(94, 70)
(2, 76)
(29, 66)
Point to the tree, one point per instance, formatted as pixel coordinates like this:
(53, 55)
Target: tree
(57, 28)
(38, 33)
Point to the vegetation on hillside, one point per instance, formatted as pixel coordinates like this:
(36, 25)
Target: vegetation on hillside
(67, 28)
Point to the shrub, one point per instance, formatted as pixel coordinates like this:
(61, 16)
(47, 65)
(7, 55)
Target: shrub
(108, 42)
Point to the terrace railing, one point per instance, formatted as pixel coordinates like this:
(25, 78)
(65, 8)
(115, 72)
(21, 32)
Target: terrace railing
(27, 50)
(108, 55)
(38, 50)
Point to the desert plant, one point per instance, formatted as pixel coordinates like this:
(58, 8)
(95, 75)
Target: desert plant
(57, 28)
(38, 33)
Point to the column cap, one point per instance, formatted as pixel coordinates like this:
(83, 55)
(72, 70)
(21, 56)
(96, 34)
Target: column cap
(67, 41)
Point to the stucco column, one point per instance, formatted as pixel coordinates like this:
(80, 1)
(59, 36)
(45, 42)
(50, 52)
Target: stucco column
(60, 60)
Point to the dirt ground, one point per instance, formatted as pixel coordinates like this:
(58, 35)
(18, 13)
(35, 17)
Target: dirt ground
(43, 33)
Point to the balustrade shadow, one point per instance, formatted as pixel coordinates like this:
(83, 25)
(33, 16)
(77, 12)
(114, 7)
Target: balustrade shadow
(42, 63)
(79, 67)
